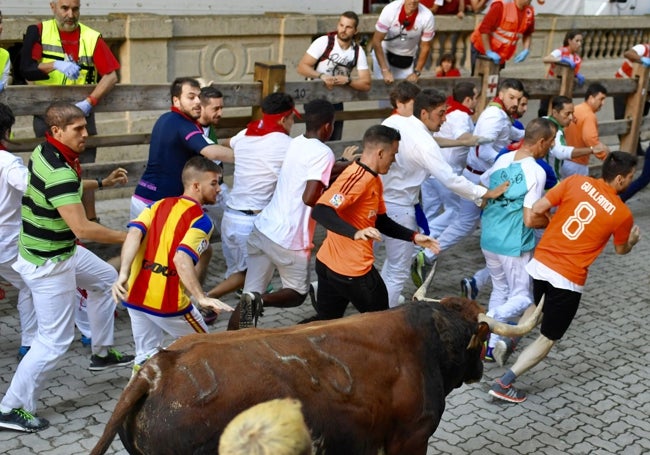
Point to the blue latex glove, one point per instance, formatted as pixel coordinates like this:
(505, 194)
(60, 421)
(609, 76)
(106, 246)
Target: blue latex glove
(568, 61)
(70, 69)
(496, 58)
(645, 61)
(520, 57)
(85, 106)
(2, 87)
(581, 79)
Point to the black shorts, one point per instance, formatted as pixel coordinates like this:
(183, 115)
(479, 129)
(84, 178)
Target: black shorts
(366, 292)
(560, 307)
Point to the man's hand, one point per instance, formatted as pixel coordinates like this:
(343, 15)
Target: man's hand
(520, 57)
(349, 153)
(413, 78)
(427, 242)
(329, 81)
(581, 79)
(85, 106)
(496, 192)
(120, 288)
(472, 141)
(369, 233)
(214, 304)
(601, 151)
(388, 76)
(70, 69)
(635, 235)
(118, 176)
(496, 58)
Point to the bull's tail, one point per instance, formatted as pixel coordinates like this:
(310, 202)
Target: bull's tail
(137, 388)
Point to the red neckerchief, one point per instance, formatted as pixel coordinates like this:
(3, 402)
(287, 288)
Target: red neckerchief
(2, 146)
(196, 122)
(71, 157)
(497, 101)
(454, 105)
(268, 124)
(403, 18)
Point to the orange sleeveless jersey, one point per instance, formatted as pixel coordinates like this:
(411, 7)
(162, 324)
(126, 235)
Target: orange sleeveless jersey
(589, 212)
(357, 197)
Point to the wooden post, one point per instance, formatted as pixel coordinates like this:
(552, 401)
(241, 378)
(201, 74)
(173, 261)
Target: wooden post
(272, 76)
(634, 108)
(566, 74)
(488, 71)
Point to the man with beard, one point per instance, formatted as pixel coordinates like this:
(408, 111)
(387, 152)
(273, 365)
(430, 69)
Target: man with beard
(176, 137)
(332, 57)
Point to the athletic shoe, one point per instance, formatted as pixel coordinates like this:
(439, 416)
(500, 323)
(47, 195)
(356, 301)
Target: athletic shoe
(502, 351)
(417, 268)
(209, 316)
(468, 288)
(21, 420)
(489, 355)
(313, 290)
(85, 341)
(251, 309)
(507, 393)
(114, 358)
(22, 351)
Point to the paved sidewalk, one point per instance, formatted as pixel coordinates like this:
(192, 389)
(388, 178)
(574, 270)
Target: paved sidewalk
(590, 396)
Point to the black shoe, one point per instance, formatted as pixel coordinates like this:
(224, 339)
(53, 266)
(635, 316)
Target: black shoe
(251, 309)
(21, 420)
(114, 358)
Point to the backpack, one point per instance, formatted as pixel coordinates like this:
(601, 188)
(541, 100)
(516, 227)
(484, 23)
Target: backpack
(331, 36)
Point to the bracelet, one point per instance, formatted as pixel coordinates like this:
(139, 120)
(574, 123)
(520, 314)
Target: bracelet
(385, 70)
(100, 185)
(92, 100)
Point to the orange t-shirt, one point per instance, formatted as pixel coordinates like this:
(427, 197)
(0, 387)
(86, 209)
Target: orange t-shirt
(357, 197)
(589, 212)
(584, 132)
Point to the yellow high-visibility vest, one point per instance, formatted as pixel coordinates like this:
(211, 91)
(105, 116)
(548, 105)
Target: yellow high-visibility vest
(53, 50)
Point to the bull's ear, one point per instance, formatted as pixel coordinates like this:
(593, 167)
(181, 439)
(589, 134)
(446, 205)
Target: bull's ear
(480, 336)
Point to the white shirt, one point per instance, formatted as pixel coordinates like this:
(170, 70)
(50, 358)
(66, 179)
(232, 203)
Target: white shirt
(337, 64)
(398, 40)
(419, 157)
(13, 182)
(287, 220)
(258, 160)
(533, 173)
(456, 124)
(494, 124)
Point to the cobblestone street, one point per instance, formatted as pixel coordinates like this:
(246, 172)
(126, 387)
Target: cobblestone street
(590, 396)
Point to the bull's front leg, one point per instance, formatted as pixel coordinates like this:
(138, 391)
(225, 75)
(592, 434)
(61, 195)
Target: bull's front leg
(412, 440)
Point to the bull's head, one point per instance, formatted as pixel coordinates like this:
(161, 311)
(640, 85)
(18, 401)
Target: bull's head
(488, 324)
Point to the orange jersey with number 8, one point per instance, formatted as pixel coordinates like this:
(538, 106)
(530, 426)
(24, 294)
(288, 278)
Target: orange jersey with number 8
(589, 213)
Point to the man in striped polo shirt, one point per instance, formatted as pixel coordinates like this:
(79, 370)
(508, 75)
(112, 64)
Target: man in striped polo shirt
(52, 265)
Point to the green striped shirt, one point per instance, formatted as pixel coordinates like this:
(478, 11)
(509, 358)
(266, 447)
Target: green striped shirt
(52, 183)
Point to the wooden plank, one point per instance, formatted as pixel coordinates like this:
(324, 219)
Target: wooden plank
(124, 97)
(634, 108)
(116, 140)
(613, 127)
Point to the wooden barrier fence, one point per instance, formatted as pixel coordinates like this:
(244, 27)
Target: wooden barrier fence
(270, 77)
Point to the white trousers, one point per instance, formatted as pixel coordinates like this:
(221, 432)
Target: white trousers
(512, 290)
(570, 168)
(235, 229)
(265, 256)
(53, 287)
(399, 254)
(25, 306)
(149, 330)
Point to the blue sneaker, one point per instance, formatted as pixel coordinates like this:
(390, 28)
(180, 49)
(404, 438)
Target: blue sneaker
(468, 288)
(22, 351)
(85, 341)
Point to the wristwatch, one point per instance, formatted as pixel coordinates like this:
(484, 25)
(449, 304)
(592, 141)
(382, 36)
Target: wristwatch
(417, 73)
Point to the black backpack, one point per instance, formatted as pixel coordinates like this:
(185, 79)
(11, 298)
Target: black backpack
(331, 36)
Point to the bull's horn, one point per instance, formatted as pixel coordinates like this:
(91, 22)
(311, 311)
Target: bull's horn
(507, 330)
(420, 294)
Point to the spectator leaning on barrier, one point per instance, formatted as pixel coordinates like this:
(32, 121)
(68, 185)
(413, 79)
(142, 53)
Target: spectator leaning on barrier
(640, 53)
(403, 27)
(63, 51)
(584, 131)
(332, 58)
(497, 35)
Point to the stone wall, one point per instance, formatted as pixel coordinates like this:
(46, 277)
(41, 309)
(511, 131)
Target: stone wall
(156, 49)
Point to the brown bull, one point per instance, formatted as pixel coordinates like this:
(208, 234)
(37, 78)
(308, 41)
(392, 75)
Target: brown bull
(368, 383)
